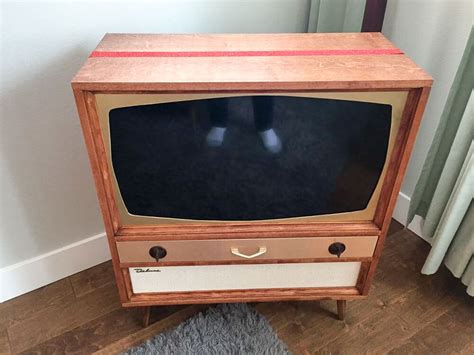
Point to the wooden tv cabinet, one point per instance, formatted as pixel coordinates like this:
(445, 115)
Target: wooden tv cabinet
(167, 262)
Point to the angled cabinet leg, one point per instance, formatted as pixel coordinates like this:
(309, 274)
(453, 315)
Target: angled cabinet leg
(146, 311)
(341, 309)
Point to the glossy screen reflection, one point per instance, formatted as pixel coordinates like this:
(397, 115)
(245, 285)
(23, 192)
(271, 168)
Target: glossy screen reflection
(272, 157)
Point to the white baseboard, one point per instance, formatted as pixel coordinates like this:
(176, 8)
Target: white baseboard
(401, 212)
(44, 269)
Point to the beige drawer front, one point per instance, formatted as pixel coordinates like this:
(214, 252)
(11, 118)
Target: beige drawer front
(246, 249)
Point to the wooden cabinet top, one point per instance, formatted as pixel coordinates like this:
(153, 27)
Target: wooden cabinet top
(236, 62)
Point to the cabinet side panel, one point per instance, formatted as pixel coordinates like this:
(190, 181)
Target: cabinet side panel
(82, 106)
(410, 123)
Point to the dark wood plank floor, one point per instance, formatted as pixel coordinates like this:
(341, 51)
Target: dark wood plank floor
(406, 313)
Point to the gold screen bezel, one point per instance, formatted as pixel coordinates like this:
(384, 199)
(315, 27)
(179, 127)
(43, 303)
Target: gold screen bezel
(107, 102)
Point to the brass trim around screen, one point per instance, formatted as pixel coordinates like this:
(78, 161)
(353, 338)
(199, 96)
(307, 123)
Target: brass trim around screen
(108, 102)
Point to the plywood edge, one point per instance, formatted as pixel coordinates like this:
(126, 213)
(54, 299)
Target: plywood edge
(244, 262)
(259, 295)
(94, 86)
(238, 231)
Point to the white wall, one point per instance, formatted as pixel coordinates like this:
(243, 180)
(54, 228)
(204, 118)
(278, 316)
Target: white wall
(47, 195)
(434, 34)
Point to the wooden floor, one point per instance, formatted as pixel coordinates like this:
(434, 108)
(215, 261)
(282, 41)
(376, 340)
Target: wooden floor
(406, 313)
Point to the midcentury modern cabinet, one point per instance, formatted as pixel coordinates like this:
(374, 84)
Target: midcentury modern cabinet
(235, 168)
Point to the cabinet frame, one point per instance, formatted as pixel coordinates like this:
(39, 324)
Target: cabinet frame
(397, 165)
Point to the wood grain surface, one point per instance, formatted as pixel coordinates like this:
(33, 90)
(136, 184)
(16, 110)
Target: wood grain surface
(321, 72)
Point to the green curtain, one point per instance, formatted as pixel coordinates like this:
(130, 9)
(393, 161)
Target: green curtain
(336, 15)
(445, 190)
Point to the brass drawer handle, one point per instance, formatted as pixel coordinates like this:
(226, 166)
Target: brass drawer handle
(261, 251)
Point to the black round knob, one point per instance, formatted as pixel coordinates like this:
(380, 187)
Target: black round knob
(157, 252)
(337, 249)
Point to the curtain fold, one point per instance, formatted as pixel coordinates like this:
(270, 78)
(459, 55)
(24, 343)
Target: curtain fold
(454, 230)
(445, 190)
(460, 259)
(444, 137)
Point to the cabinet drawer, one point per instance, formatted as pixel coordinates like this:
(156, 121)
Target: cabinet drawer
(243, 277)
(246, 249)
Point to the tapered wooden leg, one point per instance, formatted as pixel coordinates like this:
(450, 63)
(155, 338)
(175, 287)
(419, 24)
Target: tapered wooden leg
(341, 309)
(146, 316)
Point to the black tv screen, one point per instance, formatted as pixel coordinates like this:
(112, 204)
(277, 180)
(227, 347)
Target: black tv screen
(248, 157)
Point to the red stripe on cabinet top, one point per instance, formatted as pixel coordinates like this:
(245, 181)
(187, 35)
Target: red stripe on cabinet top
(279, 53)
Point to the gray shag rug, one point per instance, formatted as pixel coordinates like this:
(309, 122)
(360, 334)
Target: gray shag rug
(232, 328)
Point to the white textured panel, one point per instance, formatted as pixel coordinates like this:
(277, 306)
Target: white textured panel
(240, 277)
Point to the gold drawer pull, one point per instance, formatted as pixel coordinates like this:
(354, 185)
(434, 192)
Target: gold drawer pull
(261, 251)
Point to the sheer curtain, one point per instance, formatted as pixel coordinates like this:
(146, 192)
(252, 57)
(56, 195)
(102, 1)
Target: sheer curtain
(444, 192)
